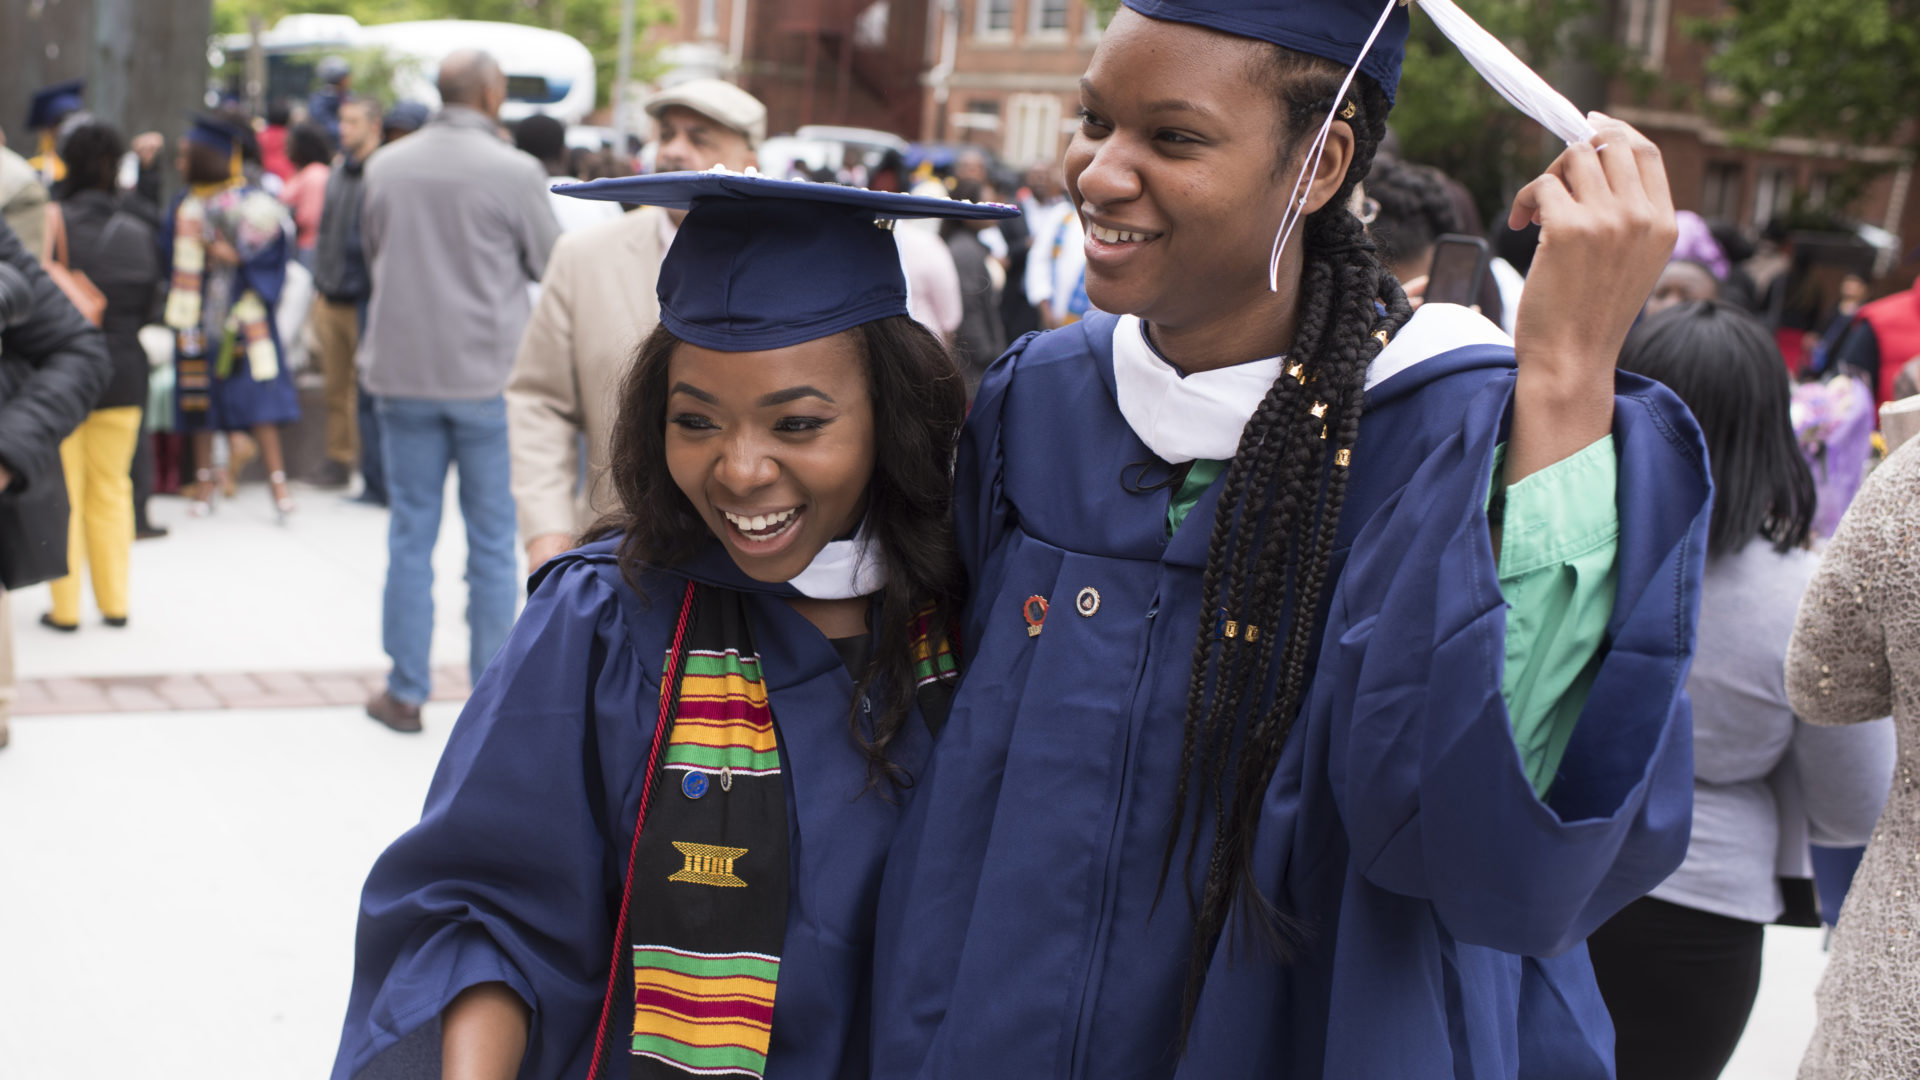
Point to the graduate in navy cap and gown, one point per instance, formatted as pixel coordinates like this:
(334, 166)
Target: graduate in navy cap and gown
(1325, 666)
(49, 107)
(226, 244)
(659, 825)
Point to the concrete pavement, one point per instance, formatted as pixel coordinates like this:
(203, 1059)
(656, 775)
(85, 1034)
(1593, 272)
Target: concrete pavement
(178, 888)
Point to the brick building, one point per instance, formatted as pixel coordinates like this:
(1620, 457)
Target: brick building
(853, 62)
(1714, 175)
(1005, 74)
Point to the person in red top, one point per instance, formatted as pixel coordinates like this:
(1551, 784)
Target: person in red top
(306, 192)
(273, 141)
(1884, 336)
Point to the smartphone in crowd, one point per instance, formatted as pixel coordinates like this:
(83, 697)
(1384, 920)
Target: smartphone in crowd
(1459, 270)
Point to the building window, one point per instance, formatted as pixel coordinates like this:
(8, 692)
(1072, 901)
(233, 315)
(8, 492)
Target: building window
(1820, 191)
(1033, 129)
(1720, 195)
(981, 114)
(993, 19)
(1047, 18)
(1772, 194)
(1645, 30)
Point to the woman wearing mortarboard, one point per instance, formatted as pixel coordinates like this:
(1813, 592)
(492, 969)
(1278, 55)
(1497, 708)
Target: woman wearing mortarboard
(1325, 669)
(226, 243)
(690, 755)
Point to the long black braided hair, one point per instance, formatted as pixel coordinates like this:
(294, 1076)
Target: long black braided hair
(1273, 532)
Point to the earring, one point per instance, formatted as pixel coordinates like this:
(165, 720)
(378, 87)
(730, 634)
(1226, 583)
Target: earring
(1348, 112)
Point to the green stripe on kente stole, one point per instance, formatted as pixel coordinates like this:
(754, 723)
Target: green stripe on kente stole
(701, 1057)
(721, 757)
(707, 967)
(747, 667)
(941, 664)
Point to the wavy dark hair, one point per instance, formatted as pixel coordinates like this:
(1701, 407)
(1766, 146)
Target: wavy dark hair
(919, 403)
(1273, 532)
(1723, 364)
(92, 154)
(309, 144)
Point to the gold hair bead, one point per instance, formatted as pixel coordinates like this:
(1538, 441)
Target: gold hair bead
(1299, 372)
(1323, 432)
(1319, 409)
(1233, 629)
(1253, 632)
(884, 224)
(1347, 113)
(1343, 459)
(1381, 337)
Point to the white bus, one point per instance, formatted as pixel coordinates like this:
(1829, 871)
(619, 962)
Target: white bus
(547, 71)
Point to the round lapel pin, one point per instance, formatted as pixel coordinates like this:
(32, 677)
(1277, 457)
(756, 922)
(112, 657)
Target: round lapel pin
(1088, 602)
(693, 784)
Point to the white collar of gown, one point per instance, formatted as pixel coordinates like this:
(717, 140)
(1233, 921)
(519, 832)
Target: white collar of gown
(844, 569)
(1201, 416)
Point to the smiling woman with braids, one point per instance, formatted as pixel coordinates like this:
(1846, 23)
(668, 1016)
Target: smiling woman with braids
(1325, 664)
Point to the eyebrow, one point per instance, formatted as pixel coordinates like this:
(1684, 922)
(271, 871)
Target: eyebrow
(693, 392)
(794, 393)
(1162, 106)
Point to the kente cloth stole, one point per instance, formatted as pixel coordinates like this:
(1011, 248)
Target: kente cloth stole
(709, 906)
(707, 894)
(243, 330)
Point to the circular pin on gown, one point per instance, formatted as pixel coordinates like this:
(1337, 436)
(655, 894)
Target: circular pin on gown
(693, 784)
(1088, 602)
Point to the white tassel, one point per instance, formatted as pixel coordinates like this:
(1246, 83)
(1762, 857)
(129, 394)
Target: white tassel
(1502, 70)
(1505, 72)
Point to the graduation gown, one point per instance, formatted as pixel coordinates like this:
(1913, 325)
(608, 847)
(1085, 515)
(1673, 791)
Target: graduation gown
(514, 872)
(1441, 905)
(238, 400)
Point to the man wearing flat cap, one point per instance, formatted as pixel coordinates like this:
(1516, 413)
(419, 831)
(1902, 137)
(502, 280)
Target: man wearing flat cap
(596, 305)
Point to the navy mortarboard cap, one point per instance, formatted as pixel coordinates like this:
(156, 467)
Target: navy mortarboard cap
(405, 116)
(761, 263)
(1335, 29)
(52, 103)
(211, 131)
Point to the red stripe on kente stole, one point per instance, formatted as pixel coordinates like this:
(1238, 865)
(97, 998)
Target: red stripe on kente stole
(728, 711)
(725, 1008)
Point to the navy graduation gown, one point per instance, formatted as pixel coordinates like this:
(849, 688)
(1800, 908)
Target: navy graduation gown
(1442, 905)
(514, 872)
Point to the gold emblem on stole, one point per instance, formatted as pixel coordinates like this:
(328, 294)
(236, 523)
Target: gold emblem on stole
(709, 865)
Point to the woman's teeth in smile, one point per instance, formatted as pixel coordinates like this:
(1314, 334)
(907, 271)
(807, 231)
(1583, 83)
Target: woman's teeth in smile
(1115, 236)
(762, 526)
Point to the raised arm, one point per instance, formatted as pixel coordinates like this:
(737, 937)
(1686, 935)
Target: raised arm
(1606, 228)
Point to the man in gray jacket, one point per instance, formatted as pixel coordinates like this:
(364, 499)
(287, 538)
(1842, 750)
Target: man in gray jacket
(456, 225)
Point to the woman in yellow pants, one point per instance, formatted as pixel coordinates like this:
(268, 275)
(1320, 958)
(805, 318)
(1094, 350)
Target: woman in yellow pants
(112, 242)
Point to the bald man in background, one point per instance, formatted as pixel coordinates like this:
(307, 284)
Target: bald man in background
(456, 224)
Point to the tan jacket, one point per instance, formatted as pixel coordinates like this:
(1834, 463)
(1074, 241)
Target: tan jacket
(597, 304)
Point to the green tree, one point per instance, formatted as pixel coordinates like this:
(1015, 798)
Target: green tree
(1843, 70)
(596, 23)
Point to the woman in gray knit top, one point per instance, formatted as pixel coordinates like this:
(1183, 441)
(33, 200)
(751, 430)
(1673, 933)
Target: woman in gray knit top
(1856, 655)
(1680, 968)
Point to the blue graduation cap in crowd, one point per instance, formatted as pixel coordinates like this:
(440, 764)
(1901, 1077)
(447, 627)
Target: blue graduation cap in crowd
(51, 104)
(1335, 29)
(214, 133)
(761, 263)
